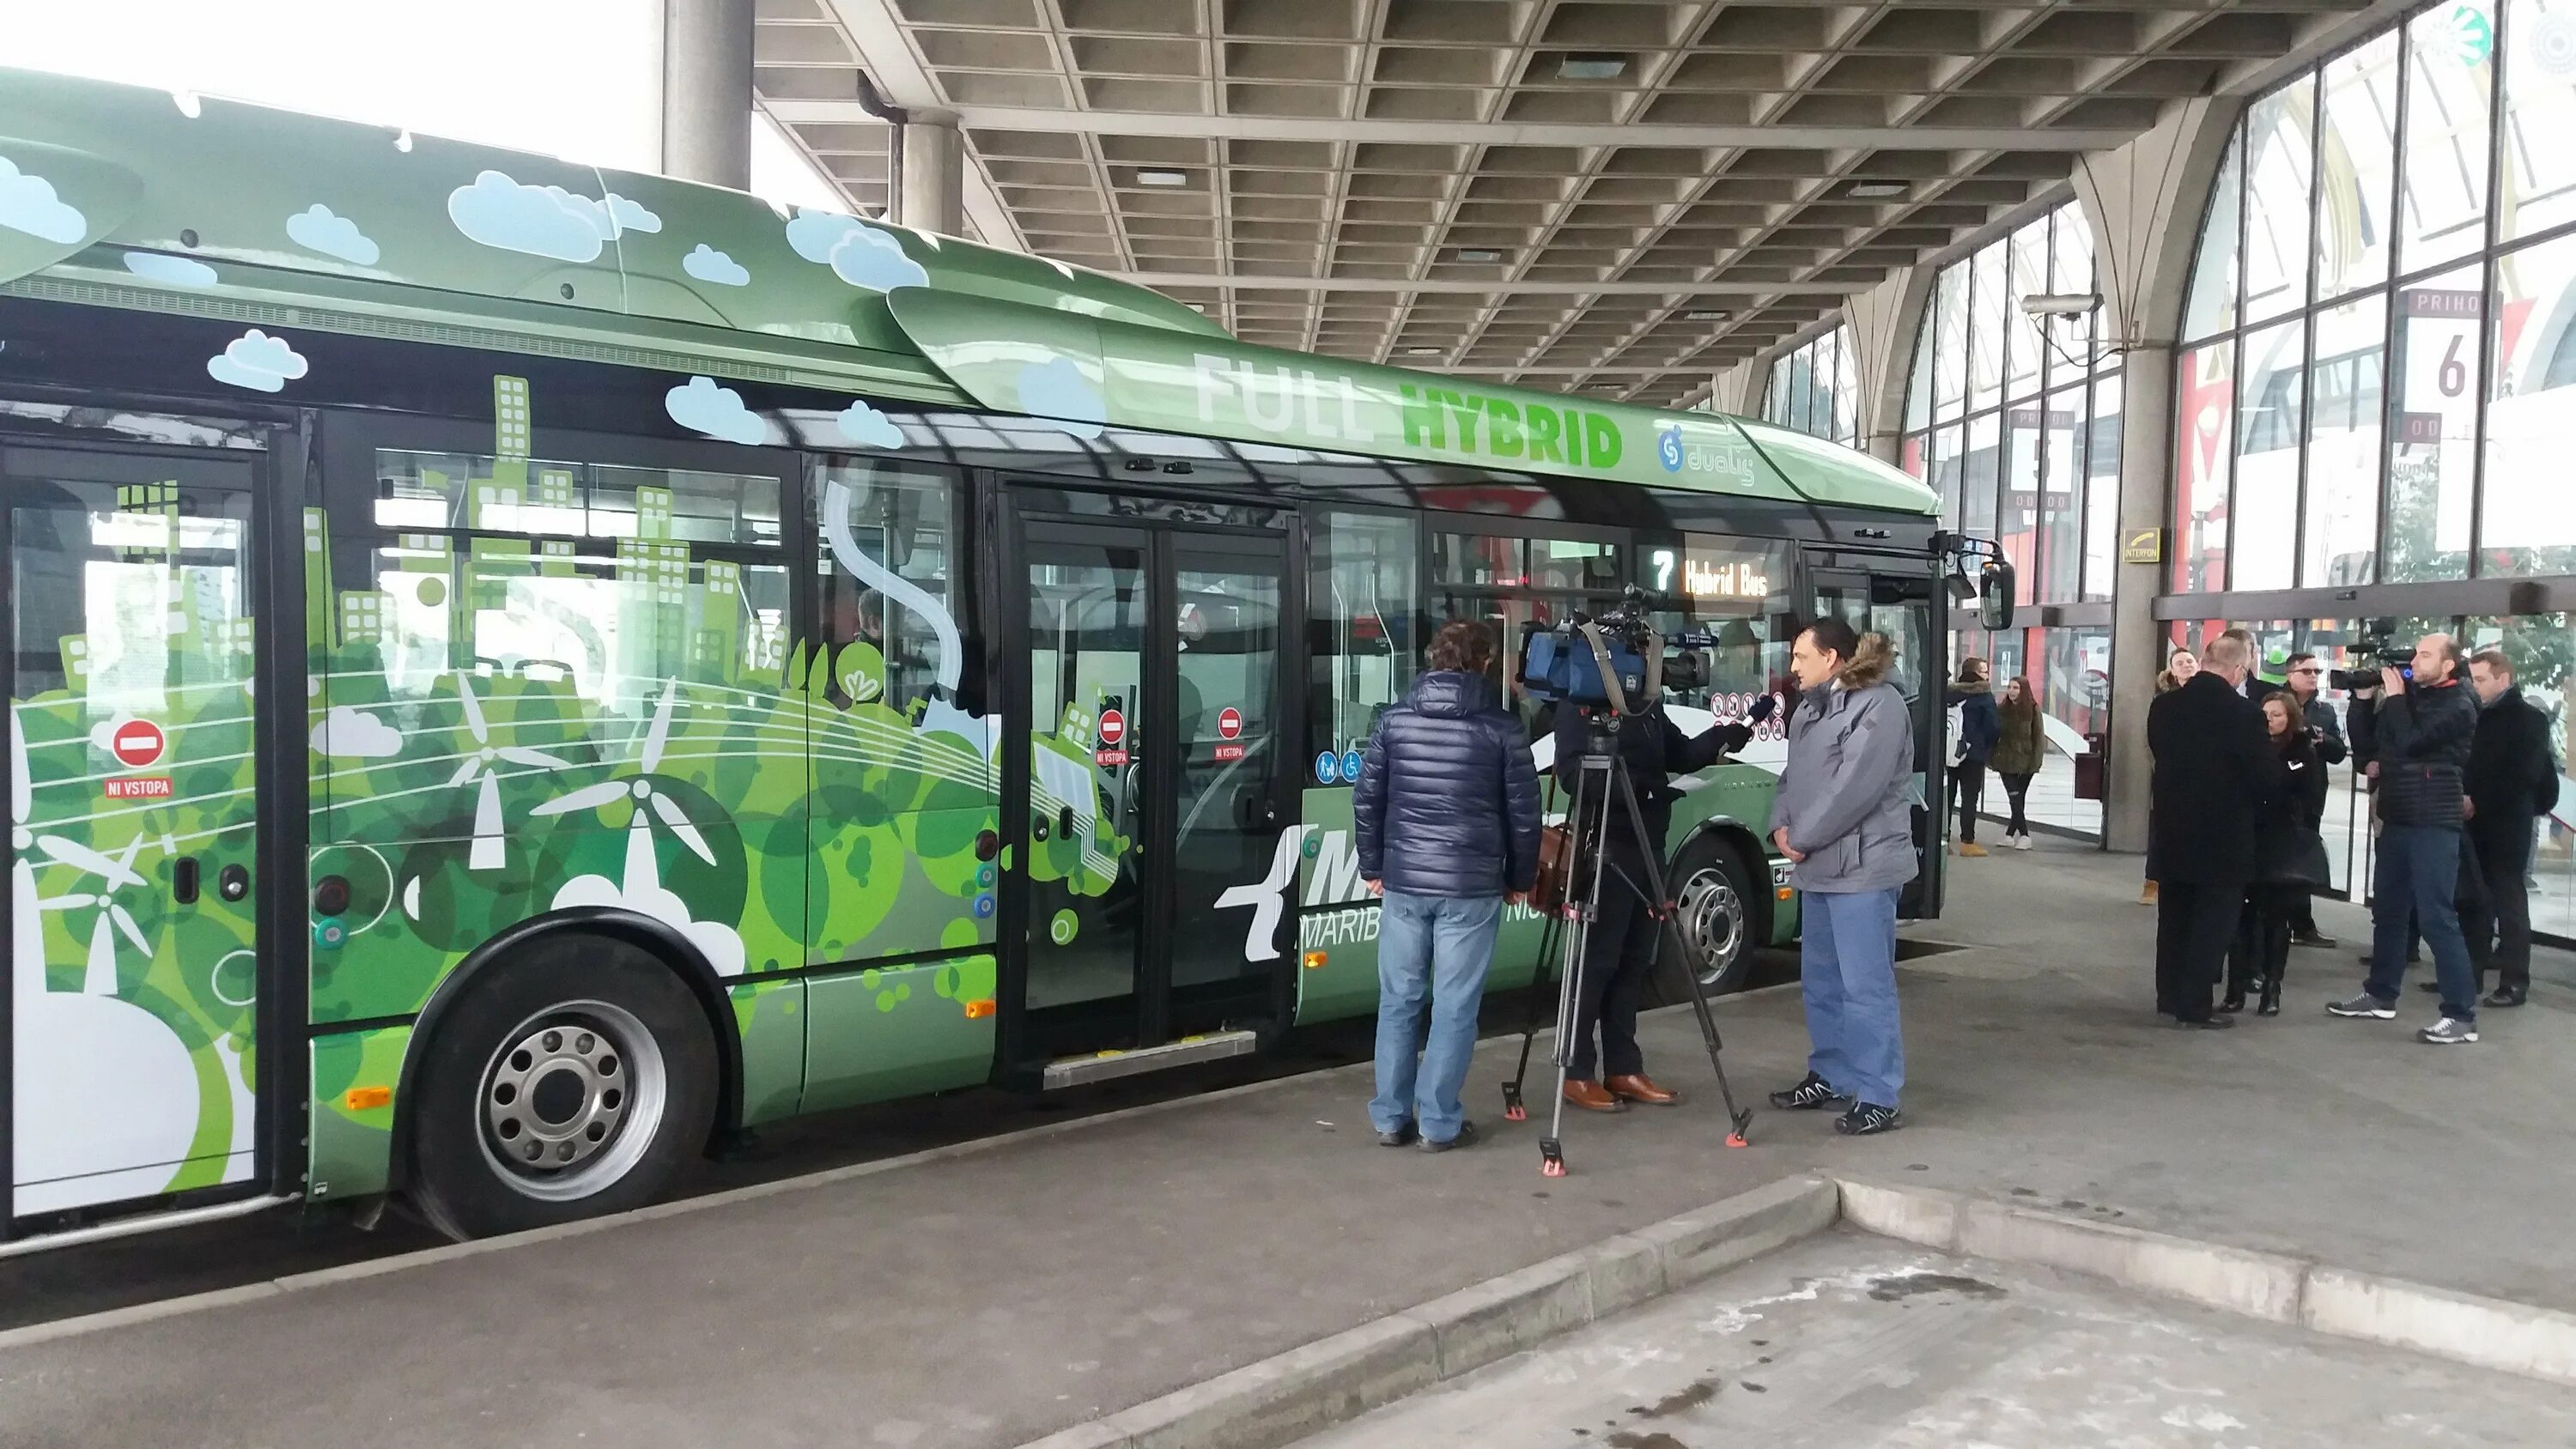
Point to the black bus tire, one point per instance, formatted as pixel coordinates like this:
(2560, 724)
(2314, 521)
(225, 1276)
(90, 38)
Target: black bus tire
(1710, 883)
(571, 1082)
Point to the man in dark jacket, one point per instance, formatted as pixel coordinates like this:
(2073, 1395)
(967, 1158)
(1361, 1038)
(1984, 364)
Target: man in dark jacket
(2421, 730)
(2215, 771)
(1446, 819)
(1980, 725)
(2511, 778)
(2303, 679)
(1621, 950)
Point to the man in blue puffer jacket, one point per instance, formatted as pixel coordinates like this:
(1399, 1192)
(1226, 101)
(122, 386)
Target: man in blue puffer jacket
(1446, 818)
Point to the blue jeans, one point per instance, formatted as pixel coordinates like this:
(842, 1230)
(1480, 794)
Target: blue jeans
(1847, 961)
(2419, 868)
(1437, 946)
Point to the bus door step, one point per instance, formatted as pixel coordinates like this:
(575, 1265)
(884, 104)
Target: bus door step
(1101, 1066)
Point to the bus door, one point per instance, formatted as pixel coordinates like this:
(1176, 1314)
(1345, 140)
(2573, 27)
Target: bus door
(1902, 606)
(134, 957)
(1149, 723)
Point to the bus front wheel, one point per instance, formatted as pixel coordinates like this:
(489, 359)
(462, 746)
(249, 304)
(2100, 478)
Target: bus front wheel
(1714, 908)
(572, 1082)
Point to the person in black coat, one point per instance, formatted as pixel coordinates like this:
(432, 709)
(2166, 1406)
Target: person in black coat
(2290, 861)
(1446, 818)
(2215, 774)
(1621, 951)
(2511, 778)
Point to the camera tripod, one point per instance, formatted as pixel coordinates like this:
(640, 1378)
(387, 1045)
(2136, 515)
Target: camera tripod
(1601, 780)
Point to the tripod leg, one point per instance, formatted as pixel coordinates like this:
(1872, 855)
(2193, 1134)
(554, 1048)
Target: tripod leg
(1515, 1105)
(1659, 900)
(1578, 913)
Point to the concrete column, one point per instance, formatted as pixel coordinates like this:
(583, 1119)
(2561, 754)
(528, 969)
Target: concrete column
(934, 174)
(1883, 321)
(706, 91)
(1738, 390)
(2144, 202)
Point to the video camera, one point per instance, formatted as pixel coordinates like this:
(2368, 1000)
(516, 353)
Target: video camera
(2378, 643)
(1560, 663)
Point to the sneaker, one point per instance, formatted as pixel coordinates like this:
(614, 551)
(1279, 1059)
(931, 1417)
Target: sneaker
(1971, 848)
(2147, 895)
(1397, 1138)
(2023, 843)
(2365, 1005)
(1867, 1119)
(1467, 1135)
(1809, 1095)
(2313, 938)
(2449, 1031)
(2504, 996)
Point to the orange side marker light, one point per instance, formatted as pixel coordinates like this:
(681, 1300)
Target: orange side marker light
(368, 1099)
(1314, 960)
(978, 1010)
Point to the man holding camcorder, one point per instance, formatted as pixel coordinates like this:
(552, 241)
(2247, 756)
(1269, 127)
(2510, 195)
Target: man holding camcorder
(2420, 730)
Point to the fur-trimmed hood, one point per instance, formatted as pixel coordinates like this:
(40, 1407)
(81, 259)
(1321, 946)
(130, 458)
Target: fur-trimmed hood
(1871, 658)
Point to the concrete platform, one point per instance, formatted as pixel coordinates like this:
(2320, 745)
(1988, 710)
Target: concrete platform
(1847, 1339)
(990, 1297)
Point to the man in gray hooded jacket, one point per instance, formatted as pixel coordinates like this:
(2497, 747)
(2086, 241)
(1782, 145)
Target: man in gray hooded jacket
(1844, 815)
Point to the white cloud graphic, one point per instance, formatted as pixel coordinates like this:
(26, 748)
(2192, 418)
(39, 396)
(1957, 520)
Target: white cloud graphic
(709, 265)
(176, 271)
(874, 260)
(627, 215)
(815, 233)
(869, 428)
(718, 412)
(720, 943)
(28, 204)
(317, 229)
(354, 734)
(1056, 391)
(257, 361)
(857, 253)
(542, 221)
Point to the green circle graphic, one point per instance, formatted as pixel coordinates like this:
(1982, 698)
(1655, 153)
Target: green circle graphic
(1063, 928)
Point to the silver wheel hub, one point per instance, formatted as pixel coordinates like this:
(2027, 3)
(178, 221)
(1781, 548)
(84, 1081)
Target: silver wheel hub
(1712, 921)
(572, 1100)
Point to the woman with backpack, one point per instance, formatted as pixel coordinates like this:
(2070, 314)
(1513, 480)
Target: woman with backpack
(2019, 749)
(1972, 740)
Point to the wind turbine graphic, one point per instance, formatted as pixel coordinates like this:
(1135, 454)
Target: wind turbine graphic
(488, 852)
(607, 792)
(106, 1095)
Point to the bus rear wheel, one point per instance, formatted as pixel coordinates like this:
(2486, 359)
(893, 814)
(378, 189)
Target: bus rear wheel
(572, 1082)
(1714, 908)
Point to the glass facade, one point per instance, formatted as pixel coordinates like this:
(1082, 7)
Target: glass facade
(2016, 420)
(2381, 317)
(1815, 388)
(2382, 314)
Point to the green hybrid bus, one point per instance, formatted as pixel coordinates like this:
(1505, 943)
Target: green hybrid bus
(518, 672)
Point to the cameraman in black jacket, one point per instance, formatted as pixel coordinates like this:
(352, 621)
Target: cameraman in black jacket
(1621, 951)
(2419, 732)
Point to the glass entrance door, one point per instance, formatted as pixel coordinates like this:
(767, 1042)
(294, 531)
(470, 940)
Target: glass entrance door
(1157, 784)
(1904, 608)
(134, 979)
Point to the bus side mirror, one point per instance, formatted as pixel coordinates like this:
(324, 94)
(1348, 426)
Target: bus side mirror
(1995, 595)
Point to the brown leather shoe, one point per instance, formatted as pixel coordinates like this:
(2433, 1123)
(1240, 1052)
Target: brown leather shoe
(1592, 1096)
(1638, 1089)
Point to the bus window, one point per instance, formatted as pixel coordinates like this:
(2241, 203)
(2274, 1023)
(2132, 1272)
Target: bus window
(1736, 589)
(893, 594)
(1360, 603)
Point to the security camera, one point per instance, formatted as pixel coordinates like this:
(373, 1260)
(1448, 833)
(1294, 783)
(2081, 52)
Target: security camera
(2060, 304)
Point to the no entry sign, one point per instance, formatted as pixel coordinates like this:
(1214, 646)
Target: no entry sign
(137, 744)
(1113, 728)
(1229, 722)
